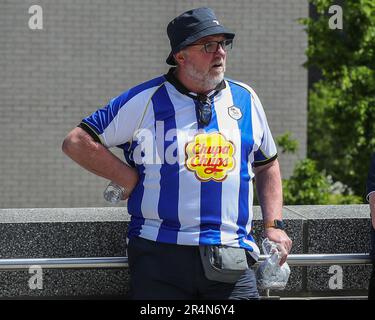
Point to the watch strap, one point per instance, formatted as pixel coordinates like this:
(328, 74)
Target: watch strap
(277, 224)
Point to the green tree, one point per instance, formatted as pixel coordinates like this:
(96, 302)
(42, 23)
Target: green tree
(341, 120)
(306, 185)
(286, 143)
(309, 186)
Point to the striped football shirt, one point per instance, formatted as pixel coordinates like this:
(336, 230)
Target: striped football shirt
(195, 183)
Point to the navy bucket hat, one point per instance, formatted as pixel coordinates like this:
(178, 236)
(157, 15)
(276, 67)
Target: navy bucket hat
(191, 26)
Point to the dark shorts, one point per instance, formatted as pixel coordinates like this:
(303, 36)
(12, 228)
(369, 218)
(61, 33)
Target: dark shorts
(175, 272)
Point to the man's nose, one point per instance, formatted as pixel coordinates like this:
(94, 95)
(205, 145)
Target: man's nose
(220, 50)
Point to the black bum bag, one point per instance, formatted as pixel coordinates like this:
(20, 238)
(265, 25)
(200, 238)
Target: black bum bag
(223, 263)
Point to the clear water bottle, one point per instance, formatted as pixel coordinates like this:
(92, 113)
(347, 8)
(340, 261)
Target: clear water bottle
(114, 193)
(270, 274)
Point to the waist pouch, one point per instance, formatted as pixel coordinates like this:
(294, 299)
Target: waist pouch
(223, 263)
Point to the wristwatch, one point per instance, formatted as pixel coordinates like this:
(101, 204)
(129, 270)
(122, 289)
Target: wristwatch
(277, 224)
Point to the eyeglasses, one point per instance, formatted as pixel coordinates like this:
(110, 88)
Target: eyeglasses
(213, 46)
(204, 110)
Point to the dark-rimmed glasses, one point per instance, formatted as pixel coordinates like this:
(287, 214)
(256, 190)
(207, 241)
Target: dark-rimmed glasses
(213, 46)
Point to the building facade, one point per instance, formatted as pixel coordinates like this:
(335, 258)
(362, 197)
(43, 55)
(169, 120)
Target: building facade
(90, 51)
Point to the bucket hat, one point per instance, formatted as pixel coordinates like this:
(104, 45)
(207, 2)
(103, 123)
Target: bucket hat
(190, 26)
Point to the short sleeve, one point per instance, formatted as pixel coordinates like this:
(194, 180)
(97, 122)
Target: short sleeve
(116, 123)
(267, 151)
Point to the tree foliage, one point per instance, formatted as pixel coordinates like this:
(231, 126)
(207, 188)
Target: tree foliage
(341, 120)
(306, 185)
(309, 186)
(286, 143)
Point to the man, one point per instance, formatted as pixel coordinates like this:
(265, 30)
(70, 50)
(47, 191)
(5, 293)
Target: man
(371, 199)
(192, 143)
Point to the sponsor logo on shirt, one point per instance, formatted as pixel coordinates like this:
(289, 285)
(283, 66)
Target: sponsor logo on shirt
(210, 156)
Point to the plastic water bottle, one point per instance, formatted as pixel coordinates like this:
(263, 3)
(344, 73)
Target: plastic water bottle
(113, 193)
(270, 274)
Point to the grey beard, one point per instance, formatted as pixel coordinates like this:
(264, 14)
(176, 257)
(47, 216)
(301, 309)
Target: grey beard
(206, 82)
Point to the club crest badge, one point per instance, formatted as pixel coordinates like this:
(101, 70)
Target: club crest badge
(235, 112)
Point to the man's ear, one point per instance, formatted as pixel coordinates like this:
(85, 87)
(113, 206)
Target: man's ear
(179, 57)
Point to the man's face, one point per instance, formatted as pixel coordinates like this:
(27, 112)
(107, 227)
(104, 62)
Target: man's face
(207, 69)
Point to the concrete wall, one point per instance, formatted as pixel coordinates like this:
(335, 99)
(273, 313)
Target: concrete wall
(91, 51)
(99, 232)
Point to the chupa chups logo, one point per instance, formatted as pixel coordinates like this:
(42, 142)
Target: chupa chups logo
(210, 156)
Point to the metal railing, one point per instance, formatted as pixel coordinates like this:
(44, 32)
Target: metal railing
(122, 262)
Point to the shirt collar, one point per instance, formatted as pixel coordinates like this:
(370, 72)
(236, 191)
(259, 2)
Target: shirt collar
(182, 89)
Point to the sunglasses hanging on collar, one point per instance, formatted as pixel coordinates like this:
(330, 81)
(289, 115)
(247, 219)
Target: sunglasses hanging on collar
(204, 109)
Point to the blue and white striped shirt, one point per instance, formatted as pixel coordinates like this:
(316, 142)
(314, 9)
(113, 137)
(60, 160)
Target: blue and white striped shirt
(195, 183)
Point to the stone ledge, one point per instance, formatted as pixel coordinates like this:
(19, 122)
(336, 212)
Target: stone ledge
(100, 232)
